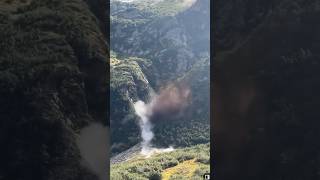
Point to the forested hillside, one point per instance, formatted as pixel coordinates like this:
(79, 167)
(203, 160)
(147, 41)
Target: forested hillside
(53, 60)
(160, 60)
(266, 89)
(154, 45)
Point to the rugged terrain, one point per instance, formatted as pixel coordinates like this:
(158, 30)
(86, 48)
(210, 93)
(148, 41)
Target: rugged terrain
(266, 89)
(53, 61)
(154, 45)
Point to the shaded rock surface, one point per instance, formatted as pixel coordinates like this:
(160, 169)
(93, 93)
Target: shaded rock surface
(266, 89)
(53, 59)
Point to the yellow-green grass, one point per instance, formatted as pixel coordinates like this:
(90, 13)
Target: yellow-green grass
(186, 168)
(186, 163)
(114, 61)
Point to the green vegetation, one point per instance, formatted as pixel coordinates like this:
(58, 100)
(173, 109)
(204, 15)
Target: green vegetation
(184, 163)
(53, 61)
(179, 133)
(276, 57)
(128, 83)
(150, 50)
(194, 127)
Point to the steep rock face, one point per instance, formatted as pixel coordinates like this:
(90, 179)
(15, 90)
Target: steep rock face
(53, 60)
(128, 85)
(265, 91)
(171, 51)
(165, 39)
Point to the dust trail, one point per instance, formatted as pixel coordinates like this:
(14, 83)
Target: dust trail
(143, 111)
(170, 101)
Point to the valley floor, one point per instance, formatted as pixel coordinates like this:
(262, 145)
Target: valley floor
(185, 163)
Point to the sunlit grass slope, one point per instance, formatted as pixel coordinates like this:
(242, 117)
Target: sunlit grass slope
(186, 163)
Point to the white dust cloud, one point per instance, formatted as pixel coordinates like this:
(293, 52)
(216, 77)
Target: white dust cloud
(171, 100)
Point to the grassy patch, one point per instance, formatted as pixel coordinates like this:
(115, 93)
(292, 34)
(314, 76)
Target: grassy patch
(186, 168)
(186, 163)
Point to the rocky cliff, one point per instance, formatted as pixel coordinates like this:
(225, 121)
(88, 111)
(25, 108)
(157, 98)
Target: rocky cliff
(53, 60)
(265, 89)
(158, 41)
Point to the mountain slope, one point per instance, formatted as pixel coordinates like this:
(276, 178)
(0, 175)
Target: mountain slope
(162, 47)
(266, 89)
(53, 61)
(128, 84)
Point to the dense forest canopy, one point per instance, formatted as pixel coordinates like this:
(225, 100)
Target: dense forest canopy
(53, 60)
(266, 89)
